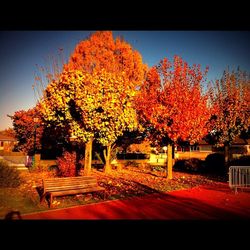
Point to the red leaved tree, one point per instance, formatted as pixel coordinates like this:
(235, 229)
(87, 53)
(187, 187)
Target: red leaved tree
(172, 106)
(232, 100)
(28, 130)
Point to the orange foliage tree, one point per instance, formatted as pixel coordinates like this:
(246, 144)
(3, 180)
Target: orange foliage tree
(24, 127)
(96, 105)
(102, 53)
(172, 106)
(35, 134)
(231, 98)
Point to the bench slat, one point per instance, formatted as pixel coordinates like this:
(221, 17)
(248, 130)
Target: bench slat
(72, 178)
(66, 178)
(77, 191)
(65, 182)
(48, 189)
(70, 184)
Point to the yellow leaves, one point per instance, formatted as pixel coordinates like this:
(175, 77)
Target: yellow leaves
(102, 99)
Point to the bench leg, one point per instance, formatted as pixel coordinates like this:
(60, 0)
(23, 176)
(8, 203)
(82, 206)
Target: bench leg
(42, 197)
(51, 200)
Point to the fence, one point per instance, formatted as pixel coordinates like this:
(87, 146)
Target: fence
(239, 177)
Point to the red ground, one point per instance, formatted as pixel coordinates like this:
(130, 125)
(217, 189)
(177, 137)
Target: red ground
(217, 201)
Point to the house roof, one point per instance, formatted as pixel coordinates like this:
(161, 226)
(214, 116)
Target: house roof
(237, 141)
(203, 142)
(6, 138)
(240, 141)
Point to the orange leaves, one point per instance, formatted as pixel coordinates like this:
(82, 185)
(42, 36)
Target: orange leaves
(94, 94)
(101, 51)
(24, 127)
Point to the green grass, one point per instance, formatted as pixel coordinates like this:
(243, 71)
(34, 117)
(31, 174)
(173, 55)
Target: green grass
(12, 199)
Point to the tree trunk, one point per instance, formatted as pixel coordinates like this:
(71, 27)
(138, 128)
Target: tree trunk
(173, 155)
(107, 156)
(227, 155)
(169, 163)
(88, 157)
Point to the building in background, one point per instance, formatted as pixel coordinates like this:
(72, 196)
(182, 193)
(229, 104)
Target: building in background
(7, 143)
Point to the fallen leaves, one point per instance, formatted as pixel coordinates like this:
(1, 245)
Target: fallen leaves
(134, 181)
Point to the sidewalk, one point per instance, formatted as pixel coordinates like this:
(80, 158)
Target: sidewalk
(216, 202)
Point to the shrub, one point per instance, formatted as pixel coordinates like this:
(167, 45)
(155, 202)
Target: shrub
(215, 163)
(9, 176)
(242, 161)
(157, 168)
(67, 164)
(189, 165)
(53, 169)
(131, 164)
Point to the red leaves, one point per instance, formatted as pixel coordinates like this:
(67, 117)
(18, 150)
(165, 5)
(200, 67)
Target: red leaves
(25, 129)
(171, 101)
(67, 164)
(231, 106)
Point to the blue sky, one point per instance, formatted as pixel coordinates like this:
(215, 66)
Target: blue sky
(21, 51)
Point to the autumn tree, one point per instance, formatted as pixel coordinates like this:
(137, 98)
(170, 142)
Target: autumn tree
(96, 105)
(231, 97)
(59, 106)
(102, 51)
(172, 104)
(24, 127)
(34, 134)
(115, 56)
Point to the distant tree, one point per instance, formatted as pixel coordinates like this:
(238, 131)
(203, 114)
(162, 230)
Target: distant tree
(24, 127)
(172, 105)
(231, 97)
(27, 130)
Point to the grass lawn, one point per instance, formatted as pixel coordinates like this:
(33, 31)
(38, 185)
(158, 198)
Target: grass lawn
(131, 181)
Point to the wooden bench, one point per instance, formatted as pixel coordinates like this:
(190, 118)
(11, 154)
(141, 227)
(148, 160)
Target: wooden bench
(69, 186)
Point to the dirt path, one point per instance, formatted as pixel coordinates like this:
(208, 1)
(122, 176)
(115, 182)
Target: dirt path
(204, 202)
